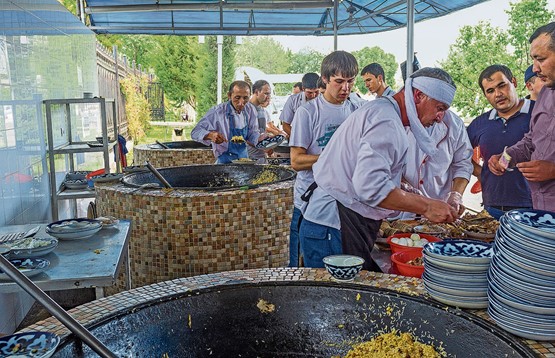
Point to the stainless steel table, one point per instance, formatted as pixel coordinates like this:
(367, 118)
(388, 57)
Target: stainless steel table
(91, 262)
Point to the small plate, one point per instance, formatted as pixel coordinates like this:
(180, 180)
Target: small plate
(47, 246)
(539, 219)
(29, 344)
(76, 184)
(479, 235)
(107, 177)
(433, 230)
(28, 267)
(108, 221)
(270, 142)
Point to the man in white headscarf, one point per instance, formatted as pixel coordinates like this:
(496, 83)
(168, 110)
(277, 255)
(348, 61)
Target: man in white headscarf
(358, 175)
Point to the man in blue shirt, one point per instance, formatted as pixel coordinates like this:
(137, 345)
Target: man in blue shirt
(496, 129)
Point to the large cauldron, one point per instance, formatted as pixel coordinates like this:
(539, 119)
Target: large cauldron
(178, 153)
(185, 144)
(212, 177)
(307, 319)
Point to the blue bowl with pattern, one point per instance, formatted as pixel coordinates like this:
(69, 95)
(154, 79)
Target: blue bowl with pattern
(29, 344)
(460, 251)
(343, 267)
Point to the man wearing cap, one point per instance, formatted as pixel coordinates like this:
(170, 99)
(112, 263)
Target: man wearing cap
(492, 131)
(310, 91)
(533, 84)
(534, 155)
(358, 175)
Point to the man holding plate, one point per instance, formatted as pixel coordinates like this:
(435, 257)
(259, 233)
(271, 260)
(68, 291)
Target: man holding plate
(230, 125)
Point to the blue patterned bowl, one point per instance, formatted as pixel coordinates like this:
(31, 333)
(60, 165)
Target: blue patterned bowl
(461, 251)
(343, 267)
(29, 344)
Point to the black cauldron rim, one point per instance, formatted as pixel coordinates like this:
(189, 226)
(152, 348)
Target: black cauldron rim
(238, 284)
(289, 175)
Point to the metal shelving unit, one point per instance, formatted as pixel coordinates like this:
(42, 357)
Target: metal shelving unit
(70, 147)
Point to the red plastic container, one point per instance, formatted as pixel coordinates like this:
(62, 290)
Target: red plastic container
(400, 260)
(396, 247)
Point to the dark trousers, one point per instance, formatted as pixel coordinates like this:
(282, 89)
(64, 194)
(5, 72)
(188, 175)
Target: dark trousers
(358, 235)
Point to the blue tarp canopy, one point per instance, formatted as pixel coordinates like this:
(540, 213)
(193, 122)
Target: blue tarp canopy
(260, 17)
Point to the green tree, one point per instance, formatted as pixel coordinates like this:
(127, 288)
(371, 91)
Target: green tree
(482, 45)
(521, 25)
(208, 62)
(176, 65)
(263, 53)
(305, 61)
(476, 48)
(367, 55)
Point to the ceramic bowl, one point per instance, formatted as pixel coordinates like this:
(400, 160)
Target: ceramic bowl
(343, 267)
(29, 344)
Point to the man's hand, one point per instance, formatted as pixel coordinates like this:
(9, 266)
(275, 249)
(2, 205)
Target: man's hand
(454, 198)
(440, 212)
(537, 170)
(216, 137)
(494, 166)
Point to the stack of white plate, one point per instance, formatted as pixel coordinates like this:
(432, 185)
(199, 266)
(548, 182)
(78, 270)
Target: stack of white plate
(73, 229)
(521, 279)
(455, 272)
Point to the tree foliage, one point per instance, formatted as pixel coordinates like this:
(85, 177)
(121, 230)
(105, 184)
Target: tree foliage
(136, 105)
(476, 48)
(482, 45)
(263, 53)
(368, 55)
(305, 61)
(521, 25)
(208, 61)
(177, 67)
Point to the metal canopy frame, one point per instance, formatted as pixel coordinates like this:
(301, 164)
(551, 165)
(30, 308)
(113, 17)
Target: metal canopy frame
(260, 17)
(265, 17)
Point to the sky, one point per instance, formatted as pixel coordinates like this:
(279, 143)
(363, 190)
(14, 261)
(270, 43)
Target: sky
(432, 38)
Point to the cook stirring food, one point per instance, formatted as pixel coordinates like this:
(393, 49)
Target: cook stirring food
(230, 125)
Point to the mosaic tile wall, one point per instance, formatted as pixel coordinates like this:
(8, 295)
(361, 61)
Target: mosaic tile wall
(161, 158)
(186, 233)
(97, 311)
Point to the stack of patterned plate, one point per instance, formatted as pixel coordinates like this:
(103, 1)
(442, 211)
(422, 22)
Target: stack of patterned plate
(455, 272)
(521, 279)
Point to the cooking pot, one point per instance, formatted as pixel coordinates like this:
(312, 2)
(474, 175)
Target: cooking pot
(288, 319)
(210, 177)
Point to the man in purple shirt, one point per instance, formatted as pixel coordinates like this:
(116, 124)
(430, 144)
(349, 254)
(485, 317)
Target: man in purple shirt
(534, 155)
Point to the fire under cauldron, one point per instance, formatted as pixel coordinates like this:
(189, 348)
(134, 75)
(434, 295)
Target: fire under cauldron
(218, 219)
(177, 153)
(288, 319)
(213, 177)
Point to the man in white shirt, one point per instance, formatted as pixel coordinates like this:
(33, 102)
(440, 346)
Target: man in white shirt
(374, 80)
(358, 176)
(445, 175)
(313, 126)
(310, 91)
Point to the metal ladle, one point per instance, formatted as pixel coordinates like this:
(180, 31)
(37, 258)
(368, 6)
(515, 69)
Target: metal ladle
(158, 175)
(71, 323)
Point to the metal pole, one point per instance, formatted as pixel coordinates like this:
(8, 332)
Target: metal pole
(335, 6)
(71, 323)
(220, 41)
(410, 36)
